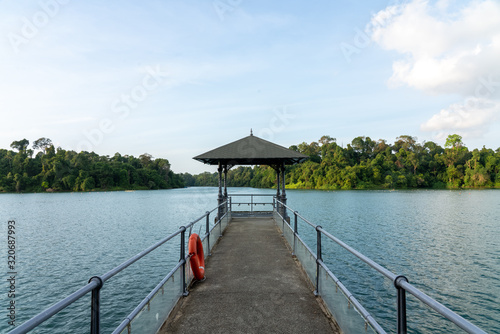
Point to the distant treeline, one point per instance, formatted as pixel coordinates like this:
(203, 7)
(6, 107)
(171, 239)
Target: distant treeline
(60, 170)
(363, 164)
(369, 164)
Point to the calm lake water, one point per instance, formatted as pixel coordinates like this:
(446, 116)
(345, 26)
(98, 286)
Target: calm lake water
(446, 242)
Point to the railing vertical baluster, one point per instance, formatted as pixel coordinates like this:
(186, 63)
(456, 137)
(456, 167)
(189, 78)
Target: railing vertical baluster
(95, 305)
(318, 257)
(208, 233)
(295, 231)
(183, 259)
(402, 329)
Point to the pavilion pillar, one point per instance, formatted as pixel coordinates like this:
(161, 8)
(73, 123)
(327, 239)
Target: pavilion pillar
(225, 188)
(278, 194)
(220, 198)
(283, 193)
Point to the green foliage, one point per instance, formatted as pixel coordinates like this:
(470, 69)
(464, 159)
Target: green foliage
(61, 170)
(369, 164)
(363, 164)
(454, 141)
(20, 145)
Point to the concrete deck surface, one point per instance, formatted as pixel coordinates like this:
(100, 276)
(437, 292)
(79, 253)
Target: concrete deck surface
(253, 285)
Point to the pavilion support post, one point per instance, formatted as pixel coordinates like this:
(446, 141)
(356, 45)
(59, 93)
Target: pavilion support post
(225, 187)
(278, 194)
(283, 193)
(220, 198)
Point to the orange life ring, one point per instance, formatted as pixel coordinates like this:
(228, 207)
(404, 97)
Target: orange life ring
(197, 260)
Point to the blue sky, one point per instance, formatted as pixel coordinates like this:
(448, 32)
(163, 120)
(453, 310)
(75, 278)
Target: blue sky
(178, 78)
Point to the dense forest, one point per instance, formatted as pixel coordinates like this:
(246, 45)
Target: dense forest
(369, 164)
(363, 164)
(60, 170)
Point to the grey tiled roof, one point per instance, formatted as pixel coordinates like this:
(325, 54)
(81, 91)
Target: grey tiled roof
(251, 150)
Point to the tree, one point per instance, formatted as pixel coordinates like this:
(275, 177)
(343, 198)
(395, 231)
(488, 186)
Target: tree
(146, 159)
(406, 142)
(42, 144)
(326, 140)
(454, 141)
(364, 147)
(20, 145)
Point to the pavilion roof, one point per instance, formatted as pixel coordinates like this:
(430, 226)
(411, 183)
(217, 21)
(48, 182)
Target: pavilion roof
(251, 150)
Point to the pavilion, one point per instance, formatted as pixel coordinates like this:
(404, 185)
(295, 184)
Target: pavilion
(251, 150)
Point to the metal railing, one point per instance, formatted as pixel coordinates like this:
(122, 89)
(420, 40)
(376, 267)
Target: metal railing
(291, 230)
(400, 282)
(96, 282)
(252, 203)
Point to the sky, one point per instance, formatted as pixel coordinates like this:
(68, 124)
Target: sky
(178, 78)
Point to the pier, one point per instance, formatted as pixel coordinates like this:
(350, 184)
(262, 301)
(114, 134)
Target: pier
(252, 285)
(261, 275)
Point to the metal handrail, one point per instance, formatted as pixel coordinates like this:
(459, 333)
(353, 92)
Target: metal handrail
(364, 313)
(253, 195)
(251, 204)
(399, 281)
(148, 298)
(41, 317)
(357, 305)
(251, 199)
(96, 282)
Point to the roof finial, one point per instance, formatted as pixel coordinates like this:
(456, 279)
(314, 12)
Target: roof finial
(251, 134)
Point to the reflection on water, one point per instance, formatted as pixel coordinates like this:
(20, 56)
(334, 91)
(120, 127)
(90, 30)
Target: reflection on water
(446, 242)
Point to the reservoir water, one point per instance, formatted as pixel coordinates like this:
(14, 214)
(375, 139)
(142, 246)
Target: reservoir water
(446, 242)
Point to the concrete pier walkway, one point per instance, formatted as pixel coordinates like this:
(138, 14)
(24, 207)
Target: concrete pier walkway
(253, 285)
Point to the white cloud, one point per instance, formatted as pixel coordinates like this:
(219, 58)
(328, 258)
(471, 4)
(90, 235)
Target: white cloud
(444, 51)
(446, 48)
(470, 119)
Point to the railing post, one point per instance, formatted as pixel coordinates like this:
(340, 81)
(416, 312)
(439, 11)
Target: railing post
(220, 228)
(208, 232)
(251, 203)
(401, 304)
(95, 305)
(295, 226)
(183, 259)
(318, 257)
(230, 204)
(282, 225)
(295, 231)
